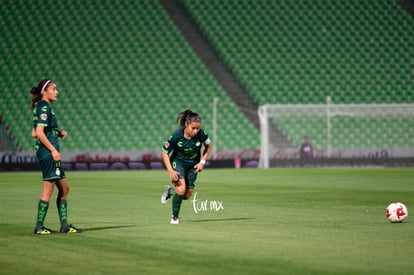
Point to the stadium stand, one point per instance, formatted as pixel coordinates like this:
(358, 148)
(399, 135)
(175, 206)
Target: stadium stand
(124, 70)
(300, 52)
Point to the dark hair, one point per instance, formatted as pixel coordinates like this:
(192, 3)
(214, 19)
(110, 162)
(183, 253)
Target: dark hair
(37, 91)
(187, 116)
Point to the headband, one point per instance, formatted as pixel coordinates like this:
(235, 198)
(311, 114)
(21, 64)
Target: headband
(44, 86)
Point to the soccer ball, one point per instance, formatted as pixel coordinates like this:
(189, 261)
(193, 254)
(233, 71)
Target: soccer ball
(396, 212)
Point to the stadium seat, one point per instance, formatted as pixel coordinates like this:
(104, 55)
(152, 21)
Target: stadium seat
(120, 68)
(122, 65)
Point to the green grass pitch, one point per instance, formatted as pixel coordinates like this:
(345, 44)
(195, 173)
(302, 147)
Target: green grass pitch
(248, 221)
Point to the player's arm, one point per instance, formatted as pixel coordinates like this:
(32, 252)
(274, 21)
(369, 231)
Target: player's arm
(62, 133)
(33, 133)
(40, 134)
(207, 149)
(167, 163)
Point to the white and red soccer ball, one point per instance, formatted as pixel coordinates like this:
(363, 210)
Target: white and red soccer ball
(396, 212)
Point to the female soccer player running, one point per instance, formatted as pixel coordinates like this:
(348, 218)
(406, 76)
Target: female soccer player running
(183, 160)
(46, 131)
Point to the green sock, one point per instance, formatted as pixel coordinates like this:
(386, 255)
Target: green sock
(41, 213)
(62, 206)
(176, 204)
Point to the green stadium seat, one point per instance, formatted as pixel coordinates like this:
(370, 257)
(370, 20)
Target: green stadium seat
(127, 59)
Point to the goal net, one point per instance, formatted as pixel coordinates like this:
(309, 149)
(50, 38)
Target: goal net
(336, 130)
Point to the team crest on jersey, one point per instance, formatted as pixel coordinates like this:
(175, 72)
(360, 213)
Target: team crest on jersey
(43, 116)
(198, 143)
(166, 144)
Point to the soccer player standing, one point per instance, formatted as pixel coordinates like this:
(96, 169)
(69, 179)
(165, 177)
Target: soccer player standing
(182, 158)
(46, 131)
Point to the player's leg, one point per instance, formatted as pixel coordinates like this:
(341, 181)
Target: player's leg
(190, 183)
(62, 206)
(169, 190)
(61, 202)
(188, 193)
(177, 193)
(184, 190)
(49, 177)
(167, 194)
(42, 208)
(177, 200)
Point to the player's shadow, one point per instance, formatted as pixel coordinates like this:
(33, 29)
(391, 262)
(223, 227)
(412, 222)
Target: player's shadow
(222, 220)
(107, 227)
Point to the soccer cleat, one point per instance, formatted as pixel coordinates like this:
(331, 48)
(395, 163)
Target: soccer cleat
(166, 195)
(44, 231)
(175, 220)
(70, 229)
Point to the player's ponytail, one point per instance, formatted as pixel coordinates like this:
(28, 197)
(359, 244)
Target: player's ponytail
(187, 116)
(37, 91)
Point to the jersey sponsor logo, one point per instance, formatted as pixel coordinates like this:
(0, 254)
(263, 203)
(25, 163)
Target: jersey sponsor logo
(44, 108)
(43, 116)
(180, 144)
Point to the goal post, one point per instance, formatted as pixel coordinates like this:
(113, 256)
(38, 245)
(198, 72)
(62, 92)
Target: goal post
(336, 130)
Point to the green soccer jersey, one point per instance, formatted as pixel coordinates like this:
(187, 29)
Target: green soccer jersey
(43, 115)
(183, 149)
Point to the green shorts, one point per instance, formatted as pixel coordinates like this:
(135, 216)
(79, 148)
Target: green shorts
(187, 172)
(51, 170)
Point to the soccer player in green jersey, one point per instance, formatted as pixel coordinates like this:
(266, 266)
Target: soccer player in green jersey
(182, 158)
(46, 131)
